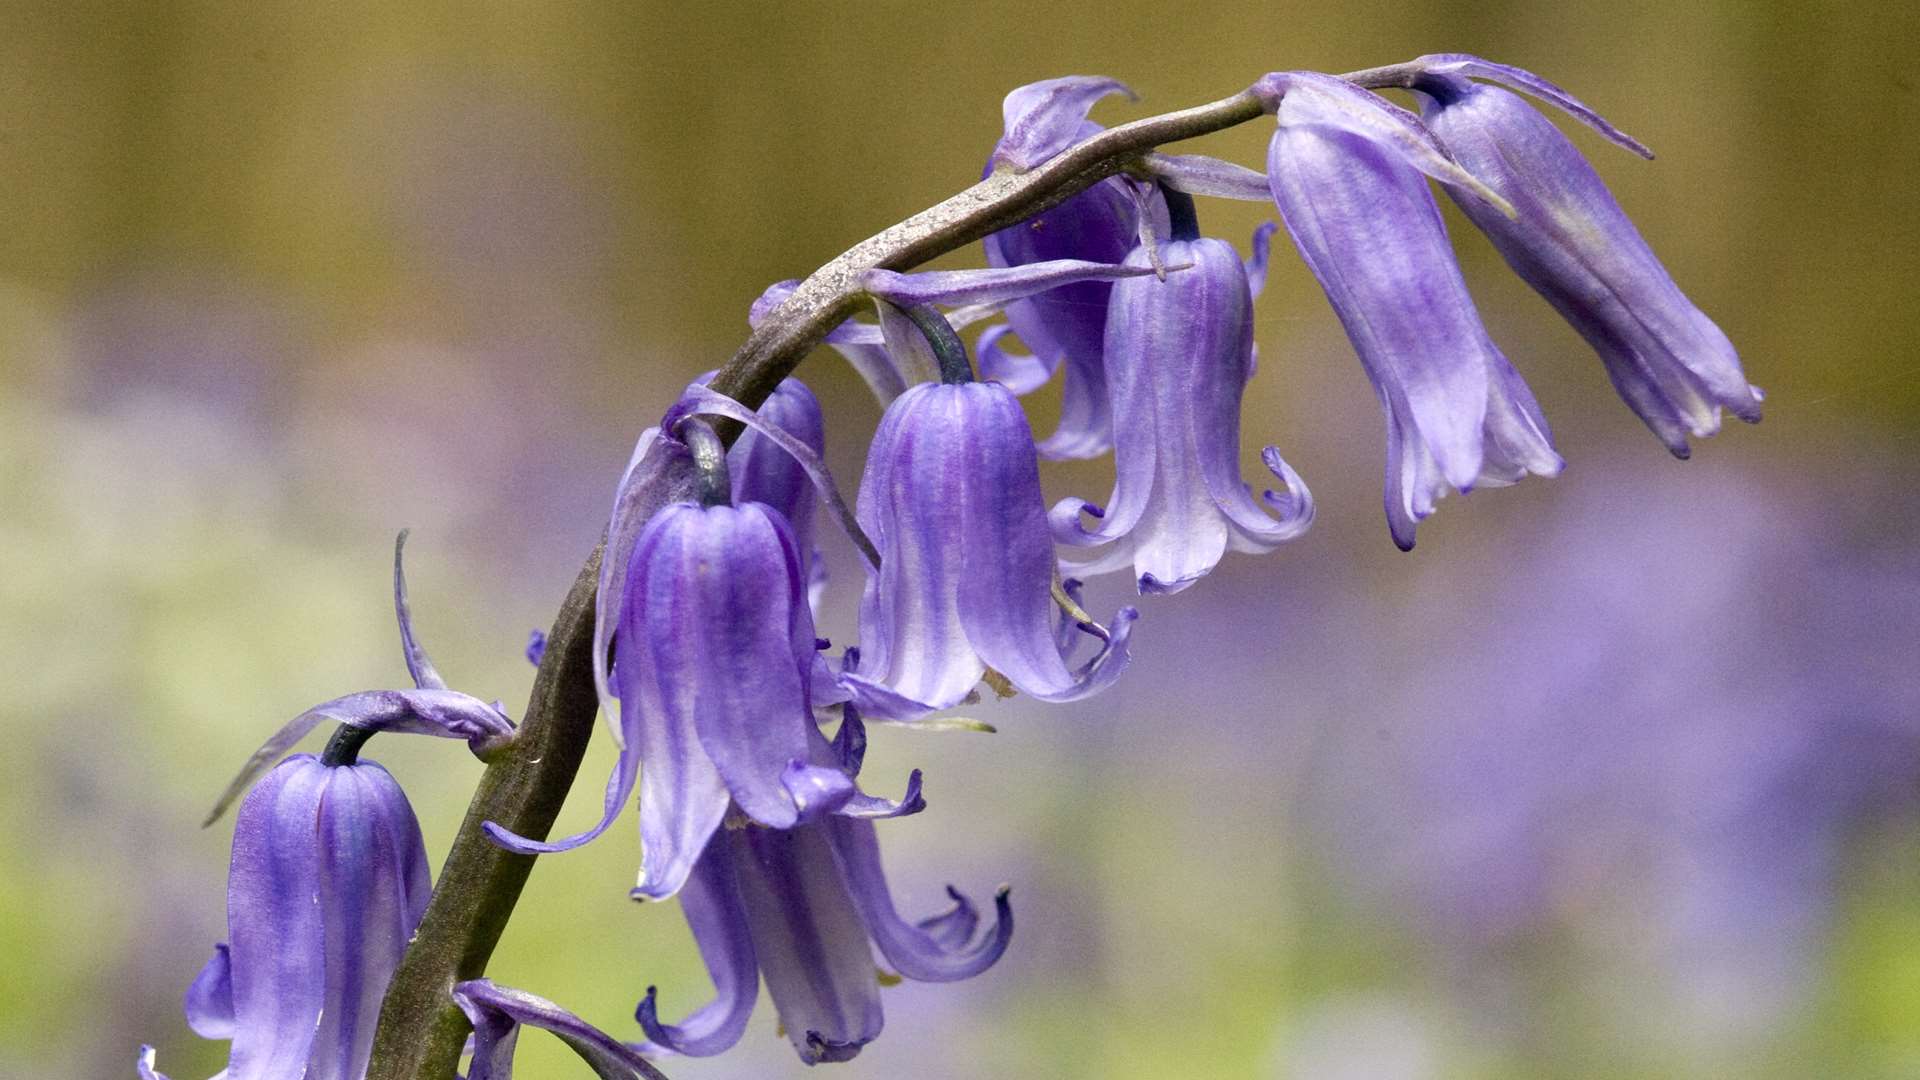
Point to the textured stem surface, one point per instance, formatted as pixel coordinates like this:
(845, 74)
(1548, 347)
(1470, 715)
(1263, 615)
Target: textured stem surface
(421, 1030)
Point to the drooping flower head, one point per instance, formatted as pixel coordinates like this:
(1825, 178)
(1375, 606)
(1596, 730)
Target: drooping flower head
(1180, 352)
(716, 668)
(1570, 240)
(714, 654)
(805, 908)
(1345, 168)
(966, 583)
(1067, 326)
(328, 880)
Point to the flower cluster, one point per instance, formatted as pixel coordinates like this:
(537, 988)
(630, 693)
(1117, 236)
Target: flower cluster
(720, 695)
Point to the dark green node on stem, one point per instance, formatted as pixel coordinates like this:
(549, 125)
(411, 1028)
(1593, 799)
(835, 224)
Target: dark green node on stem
(344, 747)
(948, 349)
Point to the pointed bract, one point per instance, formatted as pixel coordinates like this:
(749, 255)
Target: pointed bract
(497, 1012)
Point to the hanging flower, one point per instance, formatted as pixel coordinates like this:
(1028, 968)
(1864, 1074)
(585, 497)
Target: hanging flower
(1570, 240)
(1345, 169)
(966, 582)
(1182, 352)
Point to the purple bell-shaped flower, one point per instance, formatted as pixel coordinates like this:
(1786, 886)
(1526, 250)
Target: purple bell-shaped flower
(1345, 168)
(1181, 352)
(967, 579)
(1570, 240)
(328, 880)
(806, 908)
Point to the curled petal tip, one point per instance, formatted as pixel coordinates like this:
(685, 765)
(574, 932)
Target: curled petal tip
(820, 1049)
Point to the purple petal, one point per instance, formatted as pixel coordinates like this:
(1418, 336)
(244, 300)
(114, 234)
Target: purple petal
(717, 916)
(209, 1003)
(1571, 241)
(764, 471)
(953, 928)
(967, 565)
(911, 638)
(660, 472)
(373, 888)
(708, 402)
(1368, 228)
(1022, 374)
(1197, 174)
(1044, 118)
(497, 1013)
(809, 940)
(1181, 352)
(1526, 81)
(1006, 602)
(930, 952)
(275, 922)
(722, 595)
(817, 790)
(536, 646)
(145, 1066)
(1066, 327)
(997, 285)
(862, 805)
(1256, 264)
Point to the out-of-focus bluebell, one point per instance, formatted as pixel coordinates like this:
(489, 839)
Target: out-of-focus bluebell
(1345, 168)
(1655, 747)
(1570, 240)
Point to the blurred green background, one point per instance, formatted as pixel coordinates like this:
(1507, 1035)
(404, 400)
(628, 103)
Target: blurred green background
(1611, 777)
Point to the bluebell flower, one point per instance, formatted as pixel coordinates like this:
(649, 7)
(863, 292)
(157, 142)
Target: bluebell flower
(1067, 326)
(328, 880)
(1345, 168)
(806, 908)
(1180, 352)
(1570, 240)
(966, 579)
(715, 654)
